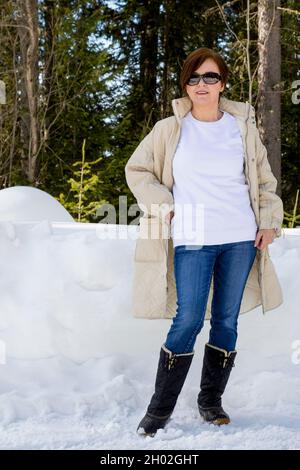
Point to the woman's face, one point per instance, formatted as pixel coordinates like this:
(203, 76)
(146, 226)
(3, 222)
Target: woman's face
(211, 98)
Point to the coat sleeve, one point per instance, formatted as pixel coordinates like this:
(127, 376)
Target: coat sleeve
(153, 197)
(270, 204)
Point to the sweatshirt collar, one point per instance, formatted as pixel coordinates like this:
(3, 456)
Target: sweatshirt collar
(181, 106)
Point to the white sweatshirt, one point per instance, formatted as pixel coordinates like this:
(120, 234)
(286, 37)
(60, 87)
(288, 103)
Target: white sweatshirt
(211, 195)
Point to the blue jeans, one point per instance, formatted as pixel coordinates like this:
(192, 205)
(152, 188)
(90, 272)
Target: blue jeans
(194, 266)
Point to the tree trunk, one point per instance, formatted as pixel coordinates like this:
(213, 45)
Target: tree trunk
(27, 20)
(269, 76)
(148, 57)
(50, 19)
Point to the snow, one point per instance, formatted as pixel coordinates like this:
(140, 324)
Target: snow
(24, 203)
(77, 370)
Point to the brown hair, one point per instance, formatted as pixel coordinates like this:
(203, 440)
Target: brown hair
(195, 59)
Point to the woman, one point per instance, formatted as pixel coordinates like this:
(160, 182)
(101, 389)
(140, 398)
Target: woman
(209, 192)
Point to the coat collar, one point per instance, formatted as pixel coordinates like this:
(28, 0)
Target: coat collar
(181, 106)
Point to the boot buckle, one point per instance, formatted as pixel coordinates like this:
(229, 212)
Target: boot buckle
(172, 361)
(228, 359)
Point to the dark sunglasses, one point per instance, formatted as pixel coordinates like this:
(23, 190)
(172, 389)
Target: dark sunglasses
(210, 78)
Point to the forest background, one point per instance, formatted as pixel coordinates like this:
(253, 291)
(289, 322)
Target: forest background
(85, 81)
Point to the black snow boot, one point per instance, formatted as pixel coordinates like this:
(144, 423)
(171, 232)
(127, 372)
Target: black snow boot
(217, 365)
(171, 373)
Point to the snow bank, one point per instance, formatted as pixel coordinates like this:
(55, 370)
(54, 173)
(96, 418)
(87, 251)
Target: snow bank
(24, 203)
(78, 371)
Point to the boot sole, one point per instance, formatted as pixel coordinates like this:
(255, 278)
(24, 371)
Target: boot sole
(142, 433)
(217, 421)
(221, 421)
(141, 430)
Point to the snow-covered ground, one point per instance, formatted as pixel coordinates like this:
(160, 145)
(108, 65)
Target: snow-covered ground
(77, 370)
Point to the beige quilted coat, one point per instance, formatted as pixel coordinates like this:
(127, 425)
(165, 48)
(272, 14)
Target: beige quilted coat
(149, 177)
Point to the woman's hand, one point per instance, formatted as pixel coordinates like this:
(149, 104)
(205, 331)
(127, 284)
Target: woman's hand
(169, 217)
(264, 237)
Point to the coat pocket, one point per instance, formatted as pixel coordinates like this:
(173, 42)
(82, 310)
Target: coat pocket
(152, 244)
(149, 290)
